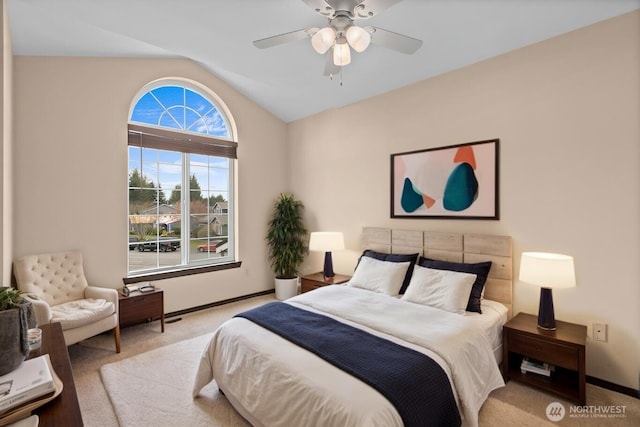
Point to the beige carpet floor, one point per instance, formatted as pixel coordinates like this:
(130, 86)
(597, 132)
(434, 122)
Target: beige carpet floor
(513, 405)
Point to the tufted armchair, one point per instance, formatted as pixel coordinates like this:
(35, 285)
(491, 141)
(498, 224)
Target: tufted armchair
(56, 285)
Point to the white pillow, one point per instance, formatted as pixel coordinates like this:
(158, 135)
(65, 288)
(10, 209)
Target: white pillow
(379, 276)
(443, 289)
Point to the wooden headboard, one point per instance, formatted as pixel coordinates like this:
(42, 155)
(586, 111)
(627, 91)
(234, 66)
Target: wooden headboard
(456, 247)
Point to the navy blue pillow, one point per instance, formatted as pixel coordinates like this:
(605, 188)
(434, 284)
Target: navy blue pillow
(481, 270)
(412, 258)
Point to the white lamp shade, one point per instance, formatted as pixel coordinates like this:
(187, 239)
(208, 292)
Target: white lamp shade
(326, 241)
(358, 38)
(547, 270)
(323, 40)
(341, 54)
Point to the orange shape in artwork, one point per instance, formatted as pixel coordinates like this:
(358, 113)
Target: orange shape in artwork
(428, 201)
(465, 155)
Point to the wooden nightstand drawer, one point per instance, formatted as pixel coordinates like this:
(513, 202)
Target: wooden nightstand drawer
(317, 280)
(554, 353)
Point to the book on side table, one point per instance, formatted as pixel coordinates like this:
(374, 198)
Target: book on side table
(536, 367)
(29, 386)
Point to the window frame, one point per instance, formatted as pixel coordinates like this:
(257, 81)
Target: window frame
(145, 135)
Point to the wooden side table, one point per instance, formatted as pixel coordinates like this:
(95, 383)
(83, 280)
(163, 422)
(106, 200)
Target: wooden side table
(564, 348)
(317, 280)
(64, 410)
(141, 307)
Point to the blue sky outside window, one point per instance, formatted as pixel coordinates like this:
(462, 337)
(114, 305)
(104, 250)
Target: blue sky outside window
(177, 107)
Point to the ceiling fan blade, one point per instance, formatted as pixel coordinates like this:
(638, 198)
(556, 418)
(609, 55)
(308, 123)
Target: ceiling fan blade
(285, 38)
(359, 9)
(330, 68)
(395, 41)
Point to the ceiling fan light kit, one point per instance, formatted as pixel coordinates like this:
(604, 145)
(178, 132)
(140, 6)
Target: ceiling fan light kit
(356, 37)
(341, 35)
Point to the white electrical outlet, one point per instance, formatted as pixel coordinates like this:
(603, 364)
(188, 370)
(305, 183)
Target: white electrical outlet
(599, 331)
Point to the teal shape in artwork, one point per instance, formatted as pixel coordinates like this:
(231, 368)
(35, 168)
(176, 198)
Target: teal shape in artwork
(411, 199)
(461, 189)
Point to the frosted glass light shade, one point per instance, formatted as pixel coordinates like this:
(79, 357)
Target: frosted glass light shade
(323, 40)
(326, 241)
(341, 54)
(358, 38)
(547, 270)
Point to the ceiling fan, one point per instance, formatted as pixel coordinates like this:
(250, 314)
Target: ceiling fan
(341, 34)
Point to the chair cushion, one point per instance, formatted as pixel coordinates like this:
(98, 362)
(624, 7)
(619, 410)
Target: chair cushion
(74, 314)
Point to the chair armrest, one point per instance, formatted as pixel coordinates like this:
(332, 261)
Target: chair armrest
(40, 308)
(103, 293)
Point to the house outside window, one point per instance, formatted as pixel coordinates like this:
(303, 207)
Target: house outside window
(181, 156)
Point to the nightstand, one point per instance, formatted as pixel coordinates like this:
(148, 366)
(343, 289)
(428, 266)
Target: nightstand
(141, 307)
(564, 348)
(317, 280)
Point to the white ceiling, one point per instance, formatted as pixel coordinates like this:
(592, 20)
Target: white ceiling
(288, 79)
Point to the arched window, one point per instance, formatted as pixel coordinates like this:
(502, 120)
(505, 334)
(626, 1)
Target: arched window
(180, 180)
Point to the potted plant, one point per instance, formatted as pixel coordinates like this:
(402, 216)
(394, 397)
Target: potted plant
(16, 316)
(286, 238)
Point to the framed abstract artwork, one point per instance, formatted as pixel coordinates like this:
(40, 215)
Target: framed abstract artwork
(453, 182)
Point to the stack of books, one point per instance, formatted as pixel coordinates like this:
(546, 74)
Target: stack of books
(32, 380)
(532, 366)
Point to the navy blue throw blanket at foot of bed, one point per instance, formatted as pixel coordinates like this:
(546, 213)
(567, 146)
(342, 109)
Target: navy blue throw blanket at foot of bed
(414, 383)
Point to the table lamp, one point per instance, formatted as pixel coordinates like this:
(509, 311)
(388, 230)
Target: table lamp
(548, 271)
(326, 241)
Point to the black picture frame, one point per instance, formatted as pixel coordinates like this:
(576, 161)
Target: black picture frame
(452, 182)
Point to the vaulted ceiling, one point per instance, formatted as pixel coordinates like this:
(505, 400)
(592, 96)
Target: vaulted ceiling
(288, 79)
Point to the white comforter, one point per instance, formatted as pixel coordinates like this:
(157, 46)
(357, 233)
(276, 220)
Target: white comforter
(273, 382)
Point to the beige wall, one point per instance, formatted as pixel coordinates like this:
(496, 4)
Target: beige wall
(6, 114)
(567, 113)
(70, 127)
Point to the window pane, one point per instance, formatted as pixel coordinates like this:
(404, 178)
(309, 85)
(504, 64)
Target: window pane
(219, 179)
(169, 96)
(191, 119)
(170, 179)
(150, 154)
(197, 102)
(147, 110)
(199, 159)
(169, 120)
(216, 124)
(199, 177)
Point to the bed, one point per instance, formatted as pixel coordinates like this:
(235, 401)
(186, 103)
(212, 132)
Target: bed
(269, 370)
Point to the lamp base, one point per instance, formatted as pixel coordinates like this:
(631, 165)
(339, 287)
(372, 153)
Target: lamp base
(546, 318)
(328, 265)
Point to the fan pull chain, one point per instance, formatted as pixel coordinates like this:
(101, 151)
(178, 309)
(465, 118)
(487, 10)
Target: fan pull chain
(331, 76)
